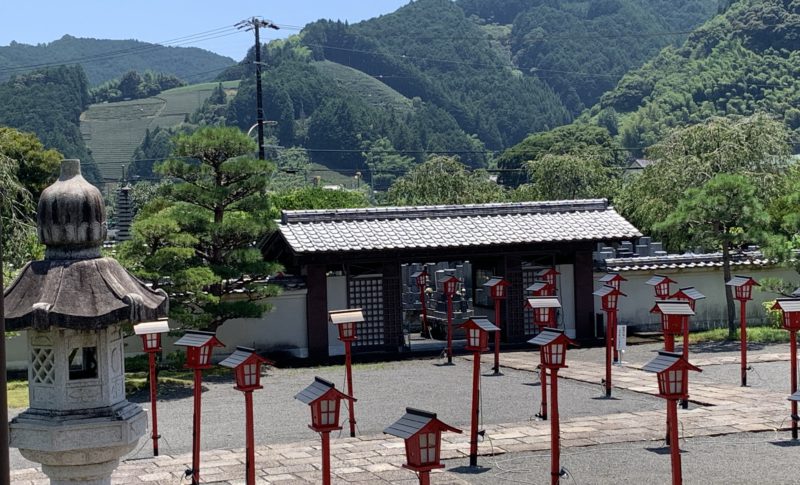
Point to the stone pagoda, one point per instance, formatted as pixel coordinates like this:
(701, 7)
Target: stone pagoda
(73, 305)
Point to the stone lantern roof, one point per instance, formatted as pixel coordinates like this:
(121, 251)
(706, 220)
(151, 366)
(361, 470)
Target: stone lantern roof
(74, 286)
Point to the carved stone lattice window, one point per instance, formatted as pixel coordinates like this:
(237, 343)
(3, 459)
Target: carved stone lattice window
(43, 363)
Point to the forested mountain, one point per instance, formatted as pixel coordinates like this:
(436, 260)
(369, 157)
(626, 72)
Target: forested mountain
(468, 77)
(581, 48)
(743, 61)
(48, 102)
(104, 60)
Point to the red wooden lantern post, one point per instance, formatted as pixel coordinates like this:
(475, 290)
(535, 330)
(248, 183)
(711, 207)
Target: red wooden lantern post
(660, 284)
(247, 368)
(791, 322)
(674, 321)
(689, 294)
(743, 291)
(548, 275)
(325, 401)
(613, 280)
(553, 347)
(538, 288)
(498, 291)
(346, 321)
(673, 384)
(151, 343)
(421, 279)
(609, 298)
(199, 346)
(422, 433)
(477, 330)
(449, 288)
(544, 316)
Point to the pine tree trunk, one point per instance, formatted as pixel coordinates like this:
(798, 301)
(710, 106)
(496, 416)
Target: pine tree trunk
(726, 274)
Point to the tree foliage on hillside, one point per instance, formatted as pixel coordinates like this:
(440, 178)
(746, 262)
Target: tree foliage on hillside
(133, 85)
(756, 147)
(444, 180)
(574, 139)
(581, 48)
(104, 59)
(200, 239)
(741, 62)
(333, 123)
(49, 102)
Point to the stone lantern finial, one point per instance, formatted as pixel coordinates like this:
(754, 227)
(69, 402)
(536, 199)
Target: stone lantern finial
(71, 216)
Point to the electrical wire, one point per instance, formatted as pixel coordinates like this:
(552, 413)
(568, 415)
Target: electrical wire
(176, 42)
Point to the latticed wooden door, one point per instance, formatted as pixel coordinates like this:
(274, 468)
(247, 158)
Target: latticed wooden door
(366, 292)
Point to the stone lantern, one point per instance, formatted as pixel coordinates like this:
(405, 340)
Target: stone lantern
(73, 305)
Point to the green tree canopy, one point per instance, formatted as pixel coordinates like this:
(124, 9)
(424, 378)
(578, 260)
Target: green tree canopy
(755, 146)
(723, 214)
(199, 240)
(564, 177)
(444, 180)
(318, 198)
(577, 139)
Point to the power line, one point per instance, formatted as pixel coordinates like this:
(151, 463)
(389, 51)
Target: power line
(179, 41)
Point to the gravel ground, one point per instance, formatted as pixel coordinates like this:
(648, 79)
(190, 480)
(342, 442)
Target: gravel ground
(727, 460)
(644, 352)
(383, 390)
(772, 376)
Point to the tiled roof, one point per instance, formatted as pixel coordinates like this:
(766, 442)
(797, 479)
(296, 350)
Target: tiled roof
(452, 226)
(350, 315)
(665, 360)
(238, 357)
(158, 326)
(683, 261)
(196, 338)
(692, 293)
(481, 323)
(316, 390)
(674, 307)
(543, 302)
(739, 280)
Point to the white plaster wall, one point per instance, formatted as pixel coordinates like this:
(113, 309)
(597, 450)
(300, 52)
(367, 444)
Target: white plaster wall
(17, 351)
(566, 292)
(710, 312)
(284, 328)
(337, 300)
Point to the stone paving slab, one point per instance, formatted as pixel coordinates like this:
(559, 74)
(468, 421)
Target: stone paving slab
(378, 458)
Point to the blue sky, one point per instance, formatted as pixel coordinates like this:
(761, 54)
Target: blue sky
(34, 22)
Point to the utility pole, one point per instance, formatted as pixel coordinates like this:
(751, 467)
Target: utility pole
(5, 464)
(254, 24)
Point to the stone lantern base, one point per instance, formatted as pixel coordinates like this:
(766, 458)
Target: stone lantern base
(81, 447)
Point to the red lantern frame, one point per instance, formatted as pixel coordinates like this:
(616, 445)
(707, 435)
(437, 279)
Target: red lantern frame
(613, 280)
(672, 371)
(422, 454)
(450, 286)
(345, 321)
(199, 348)
(497, 288)
(660, 284)
(743, 287)
(674, 315)
(553, 347)
(478, 330)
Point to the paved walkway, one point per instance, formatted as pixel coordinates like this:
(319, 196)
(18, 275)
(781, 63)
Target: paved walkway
(721, 409)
